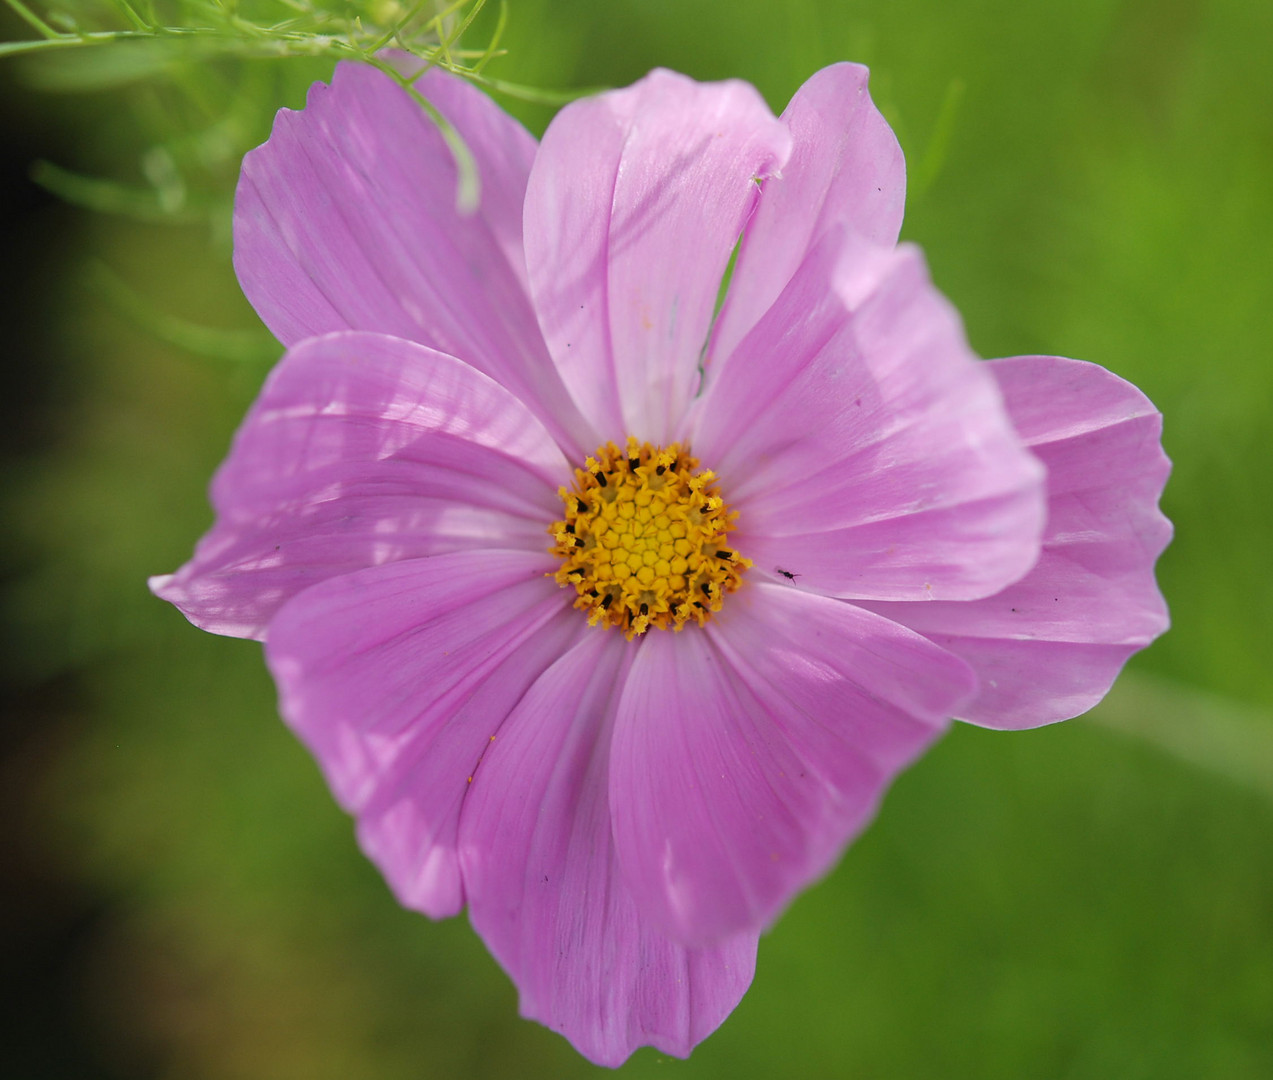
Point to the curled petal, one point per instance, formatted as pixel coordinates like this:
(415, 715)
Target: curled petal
(363, 449)
(398, 678)
(346, 219)
(633, 208)
(748, 754)
(544, 886)
(1050, 646)
(863, 444)
(846, 168)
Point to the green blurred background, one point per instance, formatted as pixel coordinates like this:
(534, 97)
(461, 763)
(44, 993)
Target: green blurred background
(182, 898)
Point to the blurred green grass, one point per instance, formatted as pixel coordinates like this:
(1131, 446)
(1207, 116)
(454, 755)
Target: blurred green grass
(1084, 901)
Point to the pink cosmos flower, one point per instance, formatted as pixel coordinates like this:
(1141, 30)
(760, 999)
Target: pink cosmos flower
(604, 614)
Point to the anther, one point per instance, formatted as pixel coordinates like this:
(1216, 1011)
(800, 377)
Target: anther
(628, 510)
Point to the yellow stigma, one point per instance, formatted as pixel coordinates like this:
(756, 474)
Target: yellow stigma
(643, 540)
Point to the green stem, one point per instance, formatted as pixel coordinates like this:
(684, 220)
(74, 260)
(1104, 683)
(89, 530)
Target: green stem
(534, 95)
(32, 19)
(130, 13)
(468, 185)
(493, 48)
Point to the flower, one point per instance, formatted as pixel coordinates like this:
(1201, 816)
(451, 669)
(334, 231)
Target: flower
(612, 616)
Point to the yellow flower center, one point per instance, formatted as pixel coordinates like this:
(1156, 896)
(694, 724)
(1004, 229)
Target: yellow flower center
(643, 540)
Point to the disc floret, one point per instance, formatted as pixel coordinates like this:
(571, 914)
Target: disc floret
(643, 541)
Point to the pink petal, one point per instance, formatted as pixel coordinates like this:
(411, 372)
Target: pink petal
(747, 755)
(634, 205)
(398, 679)
(364, 449)
(544, 886)
(346, 219)
(846, 167)
(863, 445)
(1050, 646)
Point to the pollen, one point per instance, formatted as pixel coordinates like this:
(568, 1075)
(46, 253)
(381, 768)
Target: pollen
(643, 542)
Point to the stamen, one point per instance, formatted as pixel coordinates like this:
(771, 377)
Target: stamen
(640, 538)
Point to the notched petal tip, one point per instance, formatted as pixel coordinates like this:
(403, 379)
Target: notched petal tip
(864, 444)
(363, 450)
(1049, 646)
(845, 168)
(633, 209)
(346, 219)
(546, 893)
(749, 754)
